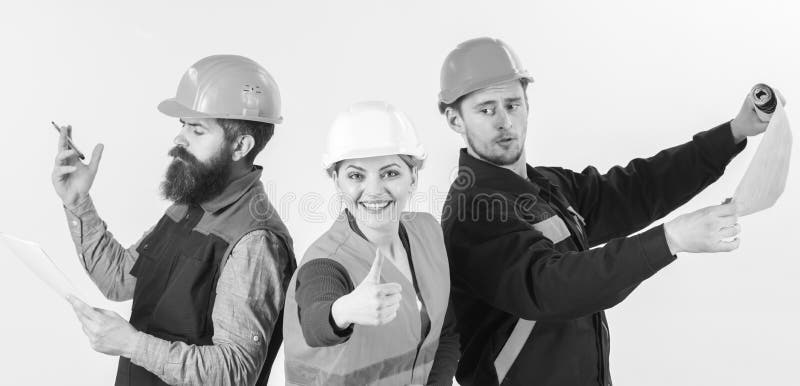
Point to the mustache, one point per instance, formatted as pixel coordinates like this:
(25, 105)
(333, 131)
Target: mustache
(183, 154)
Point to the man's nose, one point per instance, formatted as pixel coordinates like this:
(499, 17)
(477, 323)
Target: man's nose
(503, 120)
(180, 140)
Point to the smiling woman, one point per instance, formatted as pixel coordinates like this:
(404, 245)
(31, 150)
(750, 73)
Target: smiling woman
(375, 189)
(349, 319)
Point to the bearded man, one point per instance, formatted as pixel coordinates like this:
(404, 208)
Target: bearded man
(208, 281)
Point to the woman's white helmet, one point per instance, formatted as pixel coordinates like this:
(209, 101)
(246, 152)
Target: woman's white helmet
(371, 129)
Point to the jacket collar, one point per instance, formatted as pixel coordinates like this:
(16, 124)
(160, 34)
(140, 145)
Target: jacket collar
(234, 191)
(478, 173)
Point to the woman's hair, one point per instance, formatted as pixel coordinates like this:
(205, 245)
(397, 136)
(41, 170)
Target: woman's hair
(412, 162)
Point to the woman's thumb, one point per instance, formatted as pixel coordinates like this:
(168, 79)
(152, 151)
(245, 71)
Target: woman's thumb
(374, 274)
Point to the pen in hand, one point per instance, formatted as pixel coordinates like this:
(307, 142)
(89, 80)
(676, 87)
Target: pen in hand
(69, 141)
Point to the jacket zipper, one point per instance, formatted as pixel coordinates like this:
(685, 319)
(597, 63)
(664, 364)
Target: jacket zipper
(562, 208)
(603, 334)
(599, 337)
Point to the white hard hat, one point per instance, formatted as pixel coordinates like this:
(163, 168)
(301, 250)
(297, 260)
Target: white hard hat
(226, 86)
(371, 129)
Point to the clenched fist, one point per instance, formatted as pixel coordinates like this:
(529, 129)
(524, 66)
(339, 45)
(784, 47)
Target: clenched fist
(748, 122)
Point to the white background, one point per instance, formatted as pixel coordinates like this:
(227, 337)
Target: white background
(614, 80)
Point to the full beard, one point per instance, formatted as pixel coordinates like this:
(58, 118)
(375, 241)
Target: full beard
(189, 181)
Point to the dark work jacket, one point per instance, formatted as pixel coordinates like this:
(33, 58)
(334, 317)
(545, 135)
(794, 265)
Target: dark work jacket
(182, 258)
(527, 291)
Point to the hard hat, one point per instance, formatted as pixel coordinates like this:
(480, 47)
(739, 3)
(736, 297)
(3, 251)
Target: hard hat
(476, 64)
(371, 129)
(226, 86)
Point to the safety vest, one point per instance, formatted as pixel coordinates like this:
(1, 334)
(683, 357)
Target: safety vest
(396, 353)
(179, 264)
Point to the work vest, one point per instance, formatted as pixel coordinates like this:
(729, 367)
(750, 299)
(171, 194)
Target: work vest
(396, 353)
(179, 264)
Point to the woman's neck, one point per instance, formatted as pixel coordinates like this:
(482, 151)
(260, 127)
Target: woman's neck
(386, 238)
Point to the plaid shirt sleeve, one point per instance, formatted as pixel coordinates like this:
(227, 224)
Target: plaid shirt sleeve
(107, 262)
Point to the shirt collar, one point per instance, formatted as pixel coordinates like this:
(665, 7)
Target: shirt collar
(234, 191)
(474, 172)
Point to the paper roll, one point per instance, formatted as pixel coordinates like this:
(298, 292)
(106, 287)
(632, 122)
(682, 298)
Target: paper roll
(765, 100)
(765, 178)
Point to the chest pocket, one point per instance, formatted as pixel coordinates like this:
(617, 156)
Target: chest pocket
(176, 274)
(553, 228)
(543, 215)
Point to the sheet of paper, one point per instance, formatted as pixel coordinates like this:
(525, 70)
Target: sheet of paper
(35, 258)
(765, 178)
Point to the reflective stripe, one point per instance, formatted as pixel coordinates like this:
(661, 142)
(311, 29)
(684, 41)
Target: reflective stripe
(300, 373)
(553, 228)
(512, 347)
(577, 215)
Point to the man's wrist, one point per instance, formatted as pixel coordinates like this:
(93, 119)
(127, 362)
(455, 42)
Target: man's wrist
(132, 344)
(671, 243)
(737, 132)
(77, 202)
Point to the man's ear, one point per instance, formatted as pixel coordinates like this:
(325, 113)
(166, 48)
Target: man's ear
(454, 120)
(243, 146)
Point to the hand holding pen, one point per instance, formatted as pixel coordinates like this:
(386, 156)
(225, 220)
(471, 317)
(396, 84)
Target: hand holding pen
(72, 178)
(69, 139)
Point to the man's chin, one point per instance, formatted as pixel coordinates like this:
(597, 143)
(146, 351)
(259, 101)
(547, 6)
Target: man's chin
(183, 185)
(175, 192)
(497, 154)
(179, 184)
(504, 158)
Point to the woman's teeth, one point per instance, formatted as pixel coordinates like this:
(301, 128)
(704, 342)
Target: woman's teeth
(376, 205)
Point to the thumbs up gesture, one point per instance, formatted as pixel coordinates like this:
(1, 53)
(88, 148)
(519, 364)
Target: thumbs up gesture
(371, 303)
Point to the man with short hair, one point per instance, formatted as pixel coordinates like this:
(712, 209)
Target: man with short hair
(528, 292)
(208, 281)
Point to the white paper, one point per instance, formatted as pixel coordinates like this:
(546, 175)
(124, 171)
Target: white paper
(35, 258)
(765, 178)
